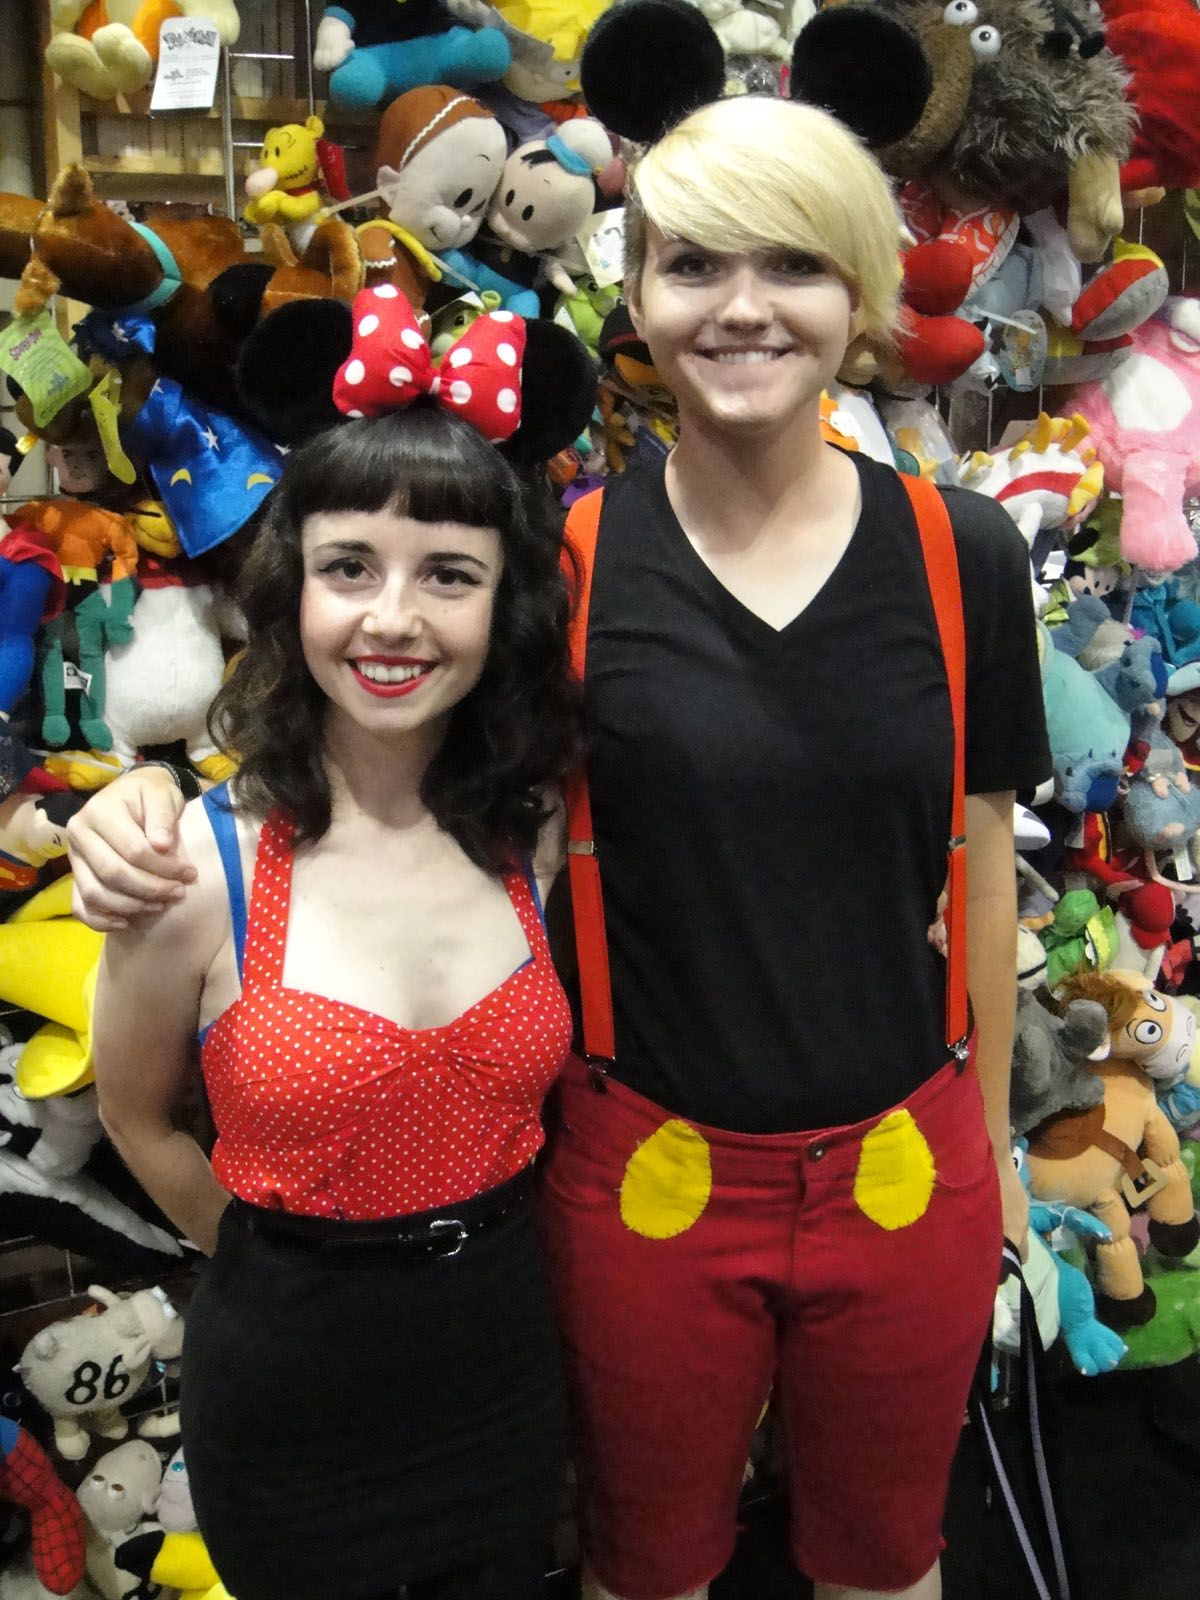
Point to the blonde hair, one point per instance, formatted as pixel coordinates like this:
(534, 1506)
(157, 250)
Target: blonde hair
(753, 173)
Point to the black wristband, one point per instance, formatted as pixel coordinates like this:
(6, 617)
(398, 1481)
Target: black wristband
(184, 779)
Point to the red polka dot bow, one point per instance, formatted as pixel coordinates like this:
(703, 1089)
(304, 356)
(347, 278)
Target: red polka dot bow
(390, 364)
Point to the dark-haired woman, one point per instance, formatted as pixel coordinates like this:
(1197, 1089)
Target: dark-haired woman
(371, 1391)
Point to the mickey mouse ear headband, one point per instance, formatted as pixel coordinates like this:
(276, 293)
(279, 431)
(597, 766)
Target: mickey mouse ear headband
(649, 63)
(296, 368)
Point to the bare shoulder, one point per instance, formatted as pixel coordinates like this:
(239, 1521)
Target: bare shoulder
(190, 930)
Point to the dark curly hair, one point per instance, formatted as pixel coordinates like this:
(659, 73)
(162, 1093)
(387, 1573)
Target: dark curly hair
(516, 732)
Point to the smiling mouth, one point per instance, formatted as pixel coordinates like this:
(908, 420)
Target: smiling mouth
(391, 674)
(743, 358)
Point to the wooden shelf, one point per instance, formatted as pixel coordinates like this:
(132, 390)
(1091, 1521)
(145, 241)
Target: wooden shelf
(270, 112)
(154, 166)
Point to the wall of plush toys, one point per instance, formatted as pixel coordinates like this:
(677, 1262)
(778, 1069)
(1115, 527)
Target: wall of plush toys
(1049, 357)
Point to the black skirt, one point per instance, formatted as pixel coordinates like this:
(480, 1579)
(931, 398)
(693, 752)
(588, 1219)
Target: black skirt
(354, 1421)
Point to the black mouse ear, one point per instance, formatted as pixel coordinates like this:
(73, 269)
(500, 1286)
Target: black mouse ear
(866, 68)
(287, 365)
(558, 393)
(237, 295)
(647, 63)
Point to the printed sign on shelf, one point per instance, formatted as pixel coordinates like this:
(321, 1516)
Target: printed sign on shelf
(189, 54)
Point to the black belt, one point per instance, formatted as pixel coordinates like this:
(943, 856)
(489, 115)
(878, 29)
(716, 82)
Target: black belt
(423, 1236)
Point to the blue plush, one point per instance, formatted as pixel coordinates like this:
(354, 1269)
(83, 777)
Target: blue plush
(400, 46)
(513, 297)
(1088, 731)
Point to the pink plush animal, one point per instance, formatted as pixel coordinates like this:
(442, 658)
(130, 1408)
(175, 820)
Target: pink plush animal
(1145, 422)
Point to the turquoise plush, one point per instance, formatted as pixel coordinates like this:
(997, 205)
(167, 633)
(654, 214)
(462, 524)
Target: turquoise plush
(1088, 731)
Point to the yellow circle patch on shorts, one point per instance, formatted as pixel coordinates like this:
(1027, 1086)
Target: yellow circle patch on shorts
(894, 1181)
(667, 1182)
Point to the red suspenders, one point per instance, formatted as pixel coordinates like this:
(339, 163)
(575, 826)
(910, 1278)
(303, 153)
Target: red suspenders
(941, 567)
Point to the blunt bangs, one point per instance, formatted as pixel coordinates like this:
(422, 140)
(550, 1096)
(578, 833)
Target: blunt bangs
(422, 462)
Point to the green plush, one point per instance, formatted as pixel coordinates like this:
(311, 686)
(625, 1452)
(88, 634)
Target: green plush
(1173, 1333)
(1082, 937)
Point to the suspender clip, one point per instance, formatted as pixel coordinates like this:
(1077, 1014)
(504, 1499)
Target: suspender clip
(597, 1067)
(961, 1051)
(581, 847)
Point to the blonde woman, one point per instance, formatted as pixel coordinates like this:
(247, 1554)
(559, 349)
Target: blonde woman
(771, 788)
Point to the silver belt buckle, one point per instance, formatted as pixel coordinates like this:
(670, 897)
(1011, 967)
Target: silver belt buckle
(439, 1228)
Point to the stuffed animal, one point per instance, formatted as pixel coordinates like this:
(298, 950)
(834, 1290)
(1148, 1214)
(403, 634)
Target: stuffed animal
(1088, 731)
(1046, 477)
(162, 683)
(585, 308)
(1143, 418)
(295, 165)
(1050, 1070)
(1162, 809)
(32, 593)
(545, 195)
(438, 158)
(45, 1190)
(116, 1497)
(1130, 668)
(82, 1369)
(85, 540)
(28, 1480)
(48, 964)
(174, 1554)
(1080, 936)
(114, 46)
(1158, 43)
(375, 49)
(1123, 1153)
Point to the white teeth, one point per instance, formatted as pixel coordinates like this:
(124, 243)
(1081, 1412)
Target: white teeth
(743, 358)
(377, 672)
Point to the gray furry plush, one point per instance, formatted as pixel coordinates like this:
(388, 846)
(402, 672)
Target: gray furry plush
(1032, 112)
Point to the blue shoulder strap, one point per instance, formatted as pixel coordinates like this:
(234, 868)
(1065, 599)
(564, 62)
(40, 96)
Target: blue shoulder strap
(220, 816)
(531, 880)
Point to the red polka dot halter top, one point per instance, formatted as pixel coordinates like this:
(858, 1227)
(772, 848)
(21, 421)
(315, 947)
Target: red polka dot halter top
(328, 1110)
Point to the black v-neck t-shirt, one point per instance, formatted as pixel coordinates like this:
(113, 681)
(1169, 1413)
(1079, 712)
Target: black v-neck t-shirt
(772, 807)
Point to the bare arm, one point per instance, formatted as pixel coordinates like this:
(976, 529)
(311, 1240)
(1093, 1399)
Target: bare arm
(147, 1008)
(992, 979)
(125, 851)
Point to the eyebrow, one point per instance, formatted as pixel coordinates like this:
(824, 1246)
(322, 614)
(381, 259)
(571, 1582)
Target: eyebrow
(361, 547)
(457, 555)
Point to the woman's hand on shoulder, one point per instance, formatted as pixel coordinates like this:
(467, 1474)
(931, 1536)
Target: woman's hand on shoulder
(126, 853)
(551, 850)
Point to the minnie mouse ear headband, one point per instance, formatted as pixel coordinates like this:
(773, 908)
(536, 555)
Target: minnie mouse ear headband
(390, 365)
(293, 359)
(649, 63)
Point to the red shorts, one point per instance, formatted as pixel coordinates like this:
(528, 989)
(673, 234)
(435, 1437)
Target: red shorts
(852, 1270)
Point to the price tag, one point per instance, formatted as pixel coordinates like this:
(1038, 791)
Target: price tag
(49, 372)
(189, 55)
(602, 240)
(106, 408)
(76, 678)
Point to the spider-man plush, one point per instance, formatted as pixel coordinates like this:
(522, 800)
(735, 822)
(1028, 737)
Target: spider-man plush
(28, 1480)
